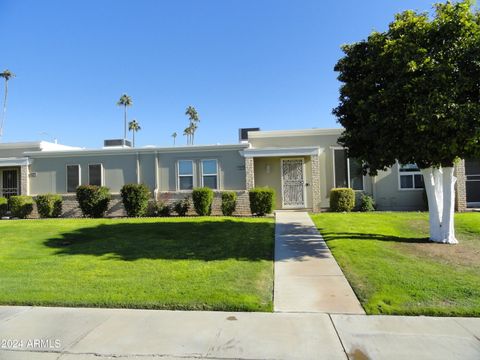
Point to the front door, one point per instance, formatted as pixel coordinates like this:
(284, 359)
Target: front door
(9, 185)
(293, 184)
(472, 172)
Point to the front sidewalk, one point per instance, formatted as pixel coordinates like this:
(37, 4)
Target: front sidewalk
(88, 334)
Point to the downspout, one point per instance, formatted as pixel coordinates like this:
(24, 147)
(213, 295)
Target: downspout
(157, 185)
(138, 169)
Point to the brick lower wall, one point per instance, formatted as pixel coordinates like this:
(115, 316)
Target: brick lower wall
(243, 203)
(70, 208)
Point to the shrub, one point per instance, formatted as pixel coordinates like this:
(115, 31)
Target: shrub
(21, 206)
(367, 203)
(261, 200)
(202, 200)
(49, 205)
(135, 199)
(181, 207)
(229, 202)
(93, 200)
(342, 199)
(164, 209)
(3, 206)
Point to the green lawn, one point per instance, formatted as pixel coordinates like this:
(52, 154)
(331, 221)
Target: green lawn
(394, 269)
(162, 263)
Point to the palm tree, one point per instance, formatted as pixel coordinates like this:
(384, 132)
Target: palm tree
(6, 74)
(174, 135)
(134, 126)
(125, 101)
(188, 133)
(194, 119)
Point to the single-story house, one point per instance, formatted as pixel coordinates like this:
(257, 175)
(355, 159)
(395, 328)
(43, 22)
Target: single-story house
(301, 165)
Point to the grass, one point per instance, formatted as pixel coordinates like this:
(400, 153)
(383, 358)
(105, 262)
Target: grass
(162, 263)
(394, 269)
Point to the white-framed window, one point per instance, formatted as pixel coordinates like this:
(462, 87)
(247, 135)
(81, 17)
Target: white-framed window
(185, 174)
(95, 174)
(410, 177)
(347, 172)
(73, 177)
(210, 173)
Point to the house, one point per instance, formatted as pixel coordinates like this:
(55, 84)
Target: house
(301, 165)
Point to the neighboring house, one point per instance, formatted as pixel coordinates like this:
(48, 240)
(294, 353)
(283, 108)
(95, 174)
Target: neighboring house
(301, 165)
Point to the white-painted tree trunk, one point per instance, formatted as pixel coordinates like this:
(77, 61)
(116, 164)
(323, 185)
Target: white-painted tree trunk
(440, 188)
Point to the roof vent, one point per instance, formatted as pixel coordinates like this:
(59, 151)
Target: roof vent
(118, 143)
(243, 134)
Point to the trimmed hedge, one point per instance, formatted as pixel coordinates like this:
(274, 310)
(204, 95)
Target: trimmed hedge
(229, 202)
(21, 206)
(164, 209)
(93, 200)
(262, 200)
(135, 199)
(367, 203)
(342, 199)
(3, 206)
(49, 205)
(181, 207)
(202, 200)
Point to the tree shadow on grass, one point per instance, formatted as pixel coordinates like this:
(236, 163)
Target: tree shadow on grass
(330, 236)
(208, 241)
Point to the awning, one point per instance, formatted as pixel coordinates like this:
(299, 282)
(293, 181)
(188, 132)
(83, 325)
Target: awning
(276, 152)
(8, 162)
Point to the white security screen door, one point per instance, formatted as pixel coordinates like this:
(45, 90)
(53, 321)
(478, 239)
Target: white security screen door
(293, 184)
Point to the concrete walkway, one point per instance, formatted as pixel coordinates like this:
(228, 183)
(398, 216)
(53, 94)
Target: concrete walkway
(39, 333)
(307, 277)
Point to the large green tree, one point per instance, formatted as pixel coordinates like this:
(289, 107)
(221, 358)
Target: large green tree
(412, 94)
(6, 75)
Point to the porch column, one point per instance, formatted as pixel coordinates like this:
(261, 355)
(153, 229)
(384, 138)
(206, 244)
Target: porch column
(249, 173)
(24, 190)
(461, 198)
(315, 160)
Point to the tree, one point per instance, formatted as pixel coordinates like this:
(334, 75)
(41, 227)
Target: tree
(188, 132)
(194, 120)
(134, 126)
(125, 101)
(6, 75)
(411, 94)
(174, 136)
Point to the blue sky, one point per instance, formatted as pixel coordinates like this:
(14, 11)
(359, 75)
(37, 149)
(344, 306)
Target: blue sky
(249, 63)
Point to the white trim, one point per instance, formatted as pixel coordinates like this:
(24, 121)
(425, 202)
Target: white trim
(66, 177)
(349, 175)
(202, 174)
(4, 162)
(279, 152)
(287, 133)
(102, 181)
(133, 151)
(305, 205)
(178, 175)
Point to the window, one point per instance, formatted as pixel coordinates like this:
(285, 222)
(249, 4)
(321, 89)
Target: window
(73, 177)
(185, 174)
(95, 174)
(347, 172)
(410, 177)
(210, 174)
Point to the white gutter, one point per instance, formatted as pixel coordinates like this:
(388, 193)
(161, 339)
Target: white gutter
(275, 152)
(15, 162)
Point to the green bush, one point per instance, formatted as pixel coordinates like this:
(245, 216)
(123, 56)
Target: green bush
(164, 209)
(21, 206)
(262, 200)
(181, 207)
(342, 199)
(135, 199)
(3, 206)
(202, 200)
(367, 203)
(229, 202)
(93, 200)
(49, 205)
